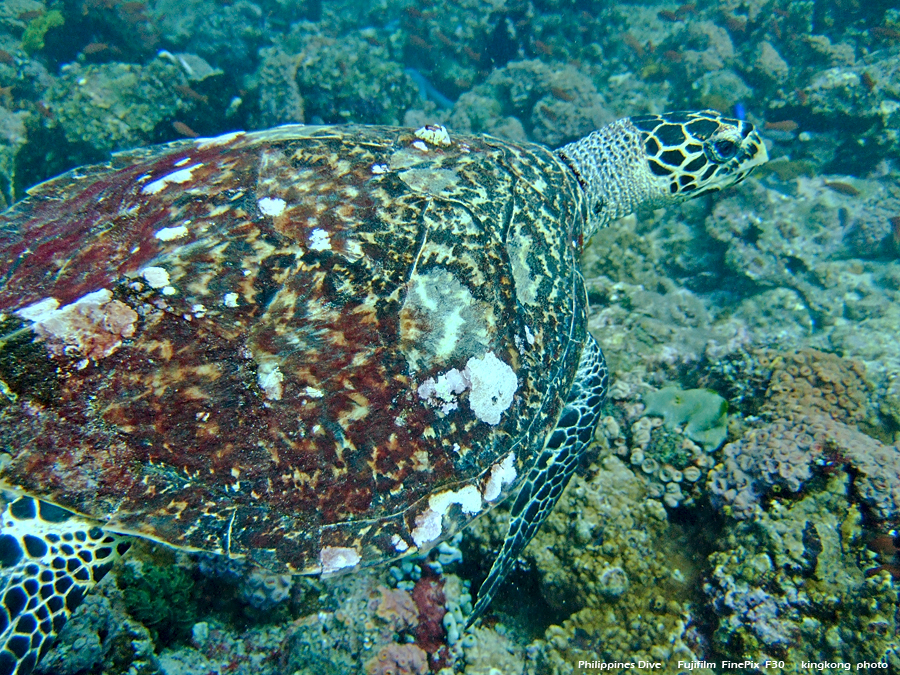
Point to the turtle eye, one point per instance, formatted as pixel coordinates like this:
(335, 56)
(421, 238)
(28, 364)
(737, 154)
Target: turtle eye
(722, 150)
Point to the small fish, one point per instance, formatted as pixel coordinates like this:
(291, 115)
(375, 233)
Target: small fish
(419, 42)
(471, 54)
(184, 130)
(783, 125)
(44, 110)
(562, 94)
(427, 91)
(842, 188)
(668, 15)
(885, 32)
(549, 113)
(734, 24)
(133, 7)
(634, 43)
(443, 39)
(187, 92)
(868, 81)
(775, 28)
(414, 13)
(543, 48)
(94, 48)
(673, 56)
(895, 230)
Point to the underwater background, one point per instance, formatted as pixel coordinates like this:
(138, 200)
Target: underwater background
(742, 498)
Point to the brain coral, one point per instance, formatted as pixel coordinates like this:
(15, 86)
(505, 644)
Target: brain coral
(812, 408)
(784, 454)
(808, 381)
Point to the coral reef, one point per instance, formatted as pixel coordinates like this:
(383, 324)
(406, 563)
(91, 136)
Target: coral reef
(552, 105)
(792, 584)
(621, 571)
(33, 38)
(809, 381)
(671, 463)
(12, 138)
(816, 400)
(101, 632)
(782, 296)
(118, 105)
(346, 80)
(607, 557)
(264, 589)
(160, 596)
(398, 660)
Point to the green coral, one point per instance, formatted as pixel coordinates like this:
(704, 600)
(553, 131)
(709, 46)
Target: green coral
(160, 597)
(703, 413)
(36, 30)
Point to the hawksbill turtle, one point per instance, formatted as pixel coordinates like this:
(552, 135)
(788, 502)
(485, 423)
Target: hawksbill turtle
(317, 347)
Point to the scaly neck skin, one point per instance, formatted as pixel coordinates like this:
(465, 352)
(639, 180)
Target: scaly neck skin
(612, 168)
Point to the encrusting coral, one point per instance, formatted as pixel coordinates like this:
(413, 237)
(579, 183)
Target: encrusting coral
(814, 403)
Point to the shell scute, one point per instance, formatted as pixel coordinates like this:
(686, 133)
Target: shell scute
(306, 373)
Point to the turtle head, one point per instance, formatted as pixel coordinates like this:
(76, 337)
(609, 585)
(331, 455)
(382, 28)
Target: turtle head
(655, 160)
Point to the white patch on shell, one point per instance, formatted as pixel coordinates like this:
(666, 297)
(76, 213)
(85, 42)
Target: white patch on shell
(431, 181)
(429, 524)
(529, 336)
(217, 140)
(39, 310)
(399, 545)
(419, 145)
(440, 320)
(230, 300)
(170, 233)
(502, 473)
(434, 134)
(428, 527)
(312, 392)
(272, 206)
(379, 168)
(336, 558)
(493, 385)
(353, 250)
(443, 390)
(180, 176)
(169, 290)
(94, 324)
(319, 240)
(270, 378)
(519, 245)
(157, 277)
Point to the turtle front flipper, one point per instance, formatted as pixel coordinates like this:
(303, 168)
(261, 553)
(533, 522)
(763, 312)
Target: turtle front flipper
(49, 559)
(550, 474)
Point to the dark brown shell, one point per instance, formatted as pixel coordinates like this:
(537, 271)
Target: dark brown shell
(258, 344)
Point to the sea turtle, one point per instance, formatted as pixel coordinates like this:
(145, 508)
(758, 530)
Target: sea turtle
(317, 347)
